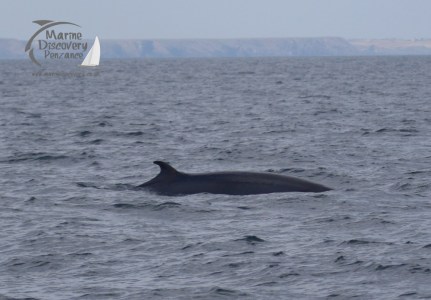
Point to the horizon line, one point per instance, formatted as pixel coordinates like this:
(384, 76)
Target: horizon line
(251, 38)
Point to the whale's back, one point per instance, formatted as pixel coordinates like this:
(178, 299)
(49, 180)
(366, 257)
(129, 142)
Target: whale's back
(248, 183)
(230, 183)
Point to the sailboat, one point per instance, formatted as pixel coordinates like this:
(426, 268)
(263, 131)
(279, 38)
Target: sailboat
(93, 56)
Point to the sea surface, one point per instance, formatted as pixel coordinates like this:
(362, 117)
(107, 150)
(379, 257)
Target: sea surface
(72, 144)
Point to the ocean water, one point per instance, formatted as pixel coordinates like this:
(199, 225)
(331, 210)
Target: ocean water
(70, 146)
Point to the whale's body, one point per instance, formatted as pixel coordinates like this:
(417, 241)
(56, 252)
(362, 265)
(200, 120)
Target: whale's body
(171, 182)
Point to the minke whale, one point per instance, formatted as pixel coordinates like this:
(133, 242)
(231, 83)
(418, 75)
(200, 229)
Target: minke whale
(171, 182)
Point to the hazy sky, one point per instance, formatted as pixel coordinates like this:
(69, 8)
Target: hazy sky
(148, 19)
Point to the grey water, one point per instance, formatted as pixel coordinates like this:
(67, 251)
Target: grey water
(72, 146)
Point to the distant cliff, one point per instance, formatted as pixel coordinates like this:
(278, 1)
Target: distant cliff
(331, 46)
(228, 48)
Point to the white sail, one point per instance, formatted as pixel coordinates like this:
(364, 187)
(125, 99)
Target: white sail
(93, 56)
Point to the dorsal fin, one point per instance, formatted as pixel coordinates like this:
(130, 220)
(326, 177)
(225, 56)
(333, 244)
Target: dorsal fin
(42, 22)
(166, 169)
(167, 174)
